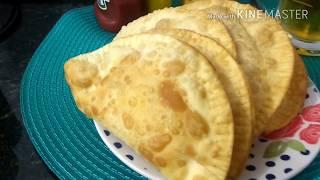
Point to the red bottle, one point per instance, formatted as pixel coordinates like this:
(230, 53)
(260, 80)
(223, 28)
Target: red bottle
(113, 14)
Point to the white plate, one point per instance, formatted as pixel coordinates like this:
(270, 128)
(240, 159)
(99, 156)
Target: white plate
(281, 155)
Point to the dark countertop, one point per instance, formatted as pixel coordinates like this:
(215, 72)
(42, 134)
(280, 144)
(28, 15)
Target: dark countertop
(18, 158)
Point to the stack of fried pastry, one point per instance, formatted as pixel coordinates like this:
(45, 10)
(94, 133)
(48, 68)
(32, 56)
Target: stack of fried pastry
(190, 88)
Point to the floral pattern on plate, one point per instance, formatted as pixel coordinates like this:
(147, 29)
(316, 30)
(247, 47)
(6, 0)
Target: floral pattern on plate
(284, 153)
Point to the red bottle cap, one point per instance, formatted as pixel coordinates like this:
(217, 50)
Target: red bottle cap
(113, 14)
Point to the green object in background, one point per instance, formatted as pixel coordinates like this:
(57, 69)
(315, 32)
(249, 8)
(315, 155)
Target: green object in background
(159, 4)
(155, 4)
(267, 4)
(176, 3)
(245, 1)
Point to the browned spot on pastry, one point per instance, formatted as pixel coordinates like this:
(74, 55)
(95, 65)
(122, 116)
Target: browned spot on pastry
(215, 153)
(160, 162)
(159, 142)
(156, 71)
(127, 121)
(127, 79)
(149, 128)
(176, 126)
(94, 110)
(93, 98)
(132, 102)
(105, 109)
(171, 97)
(183, 93)
(189, 150)
(81, 73)
(145, 152)
(163, 23)
(174, 67)
(130, 59)
(88, 112)
(203, 161)
(113, 101)
(196, 125)
(203, 93)
(175, 131)
(181, 163)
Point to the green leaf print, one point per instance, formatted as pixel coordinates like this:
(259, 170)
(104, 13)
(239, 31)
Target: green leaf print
(296, 145)
(274, 149)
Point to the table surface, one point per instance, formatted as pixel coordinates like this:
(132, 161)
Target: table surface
(19, 159)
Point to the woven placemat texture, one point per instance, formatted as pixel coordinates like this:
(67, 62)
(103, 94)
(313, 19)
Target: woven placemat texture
(66, 140)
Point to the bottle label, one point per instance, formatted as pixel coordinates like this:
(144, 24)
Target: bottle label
(103, 4)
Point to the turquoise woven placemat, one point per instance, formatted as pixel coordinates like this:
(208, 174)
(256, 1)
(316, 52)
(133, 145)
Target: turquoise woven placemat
(65, 139)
